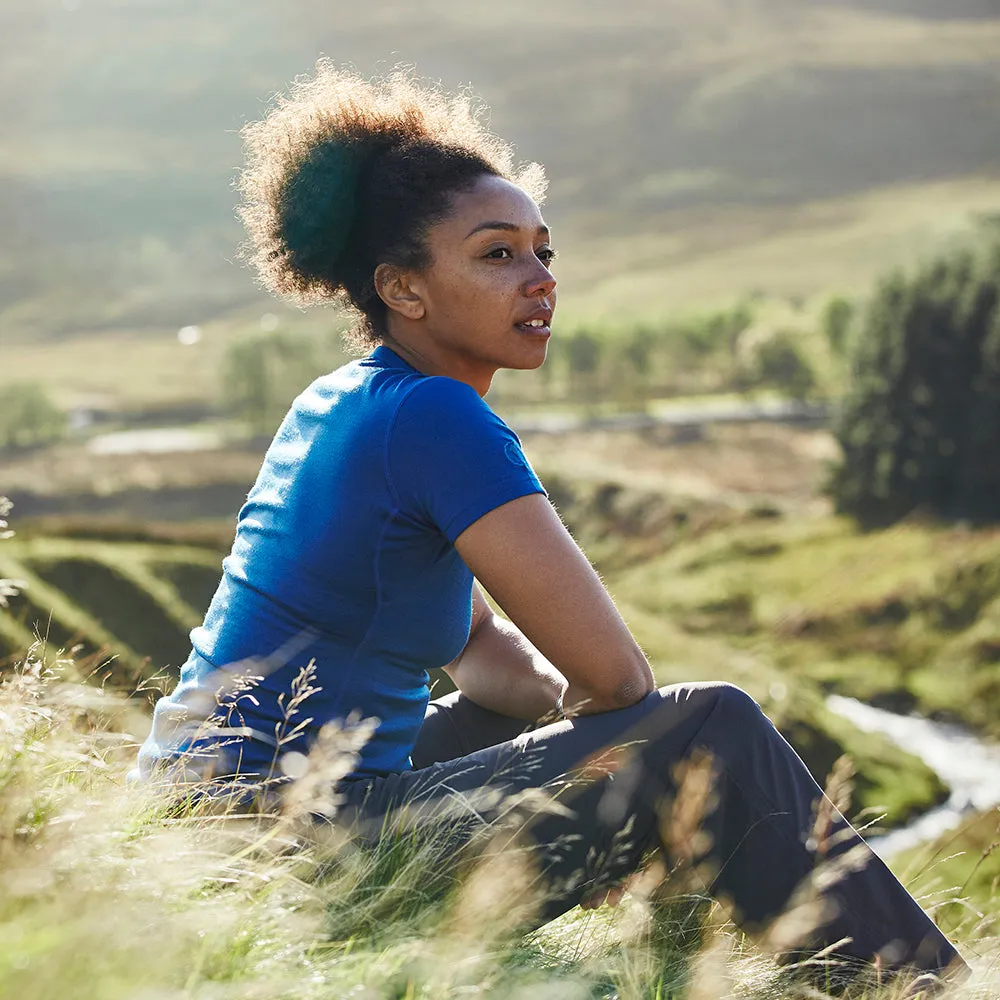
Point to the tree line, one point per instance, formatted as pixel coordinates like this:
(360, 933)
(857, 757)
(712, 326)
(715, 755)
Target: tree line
(916, 373)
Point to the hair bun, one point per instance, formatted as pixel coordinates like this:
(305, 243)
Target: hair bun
(343, 173)
(319, 206)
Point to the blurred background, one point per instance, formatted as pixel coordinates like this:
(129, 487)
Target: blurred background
(701, 152)
(772, 401)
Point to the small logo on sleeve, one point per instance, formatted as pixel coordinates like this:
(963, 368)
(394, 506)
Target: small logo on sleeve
(513, 452)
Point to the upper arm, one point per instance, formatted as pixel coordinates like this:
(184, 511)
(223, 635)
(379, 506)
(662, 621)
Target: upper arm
(526, 559)
(450, 459)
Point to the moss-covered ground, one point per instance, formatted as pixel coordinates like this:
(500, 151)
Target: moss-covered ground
(789, 607)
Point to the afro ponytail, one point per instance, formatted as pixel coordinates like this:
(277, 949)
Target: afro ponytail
(345, 174)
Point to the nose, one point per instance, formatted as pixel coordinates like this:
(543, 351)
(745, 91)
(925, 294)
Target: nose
(540, 283)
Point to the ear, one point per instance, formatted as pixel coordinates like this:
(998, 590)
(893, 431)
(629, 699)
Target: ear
(397, 289)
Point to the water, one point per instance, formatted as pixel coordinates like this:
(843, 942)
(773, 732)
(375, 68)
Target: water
(966, 764)
(156, 440)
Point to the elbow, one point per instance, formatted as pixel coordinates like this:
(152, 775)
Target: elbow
(631, 684)
(632, 691)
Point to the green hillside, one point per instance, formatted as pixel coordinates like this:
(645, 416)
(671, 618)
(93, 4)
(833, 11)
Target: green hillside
(681, 571)
(125, 608)
(696, 149)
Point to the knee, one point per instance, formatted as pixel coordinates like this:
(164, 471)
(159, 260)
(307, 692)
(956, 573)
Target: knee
(726, 700)
(735, 702)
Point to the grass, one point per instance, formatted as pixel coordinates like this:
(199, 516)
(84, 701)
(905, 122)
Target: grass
(88, 859)
(665, 262)
(113, 891)
(966, 859)
(669, 562)
(906, 616)
(145, 369)
(136, 602)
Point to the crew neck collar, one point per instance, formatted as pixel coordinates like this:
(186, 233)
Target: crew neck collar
(388, 358)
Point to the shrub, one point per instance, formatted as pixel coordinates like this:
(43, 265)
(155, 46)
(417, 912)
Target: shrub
(776, 361)
(28, 417)
(781, 365)
(919, 428)
(702, 336)
(261, 375)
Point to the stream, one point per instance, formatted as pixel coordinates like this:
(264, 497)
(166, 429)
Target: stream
(966, 764)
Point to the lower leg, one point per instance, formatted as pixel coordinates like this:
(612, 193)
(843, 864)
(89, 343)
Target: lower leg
(766, 847)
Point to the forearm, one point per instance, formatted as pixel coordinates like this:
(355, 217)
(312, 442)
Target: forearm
(577, 700)
(523, 555)
(500, 670)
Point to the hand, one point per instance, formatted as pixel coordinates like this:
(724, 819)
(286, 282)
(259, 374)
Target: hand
(598, 897)
(575, 701)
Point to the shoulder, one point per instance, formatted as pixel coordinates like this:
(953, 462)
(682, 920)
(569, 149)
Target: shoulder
(445, 406)
(433, 393)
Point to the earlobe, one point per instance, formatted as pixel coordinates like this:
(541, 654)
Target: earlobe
(396, 290)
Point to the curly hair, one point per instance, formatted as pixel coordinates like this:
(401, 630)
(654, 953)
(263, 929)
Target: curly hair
(345, 174)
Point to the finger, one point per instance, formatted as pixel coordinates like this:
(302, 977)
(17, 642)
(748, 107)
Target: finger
(615, 895)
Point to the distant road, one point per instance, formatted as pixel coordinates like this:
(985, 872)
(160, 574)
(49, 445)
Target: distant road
(158, 440)
(695, 414)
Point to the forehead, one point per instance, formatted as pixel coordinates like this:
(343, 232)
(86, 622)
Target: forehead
(492, 199)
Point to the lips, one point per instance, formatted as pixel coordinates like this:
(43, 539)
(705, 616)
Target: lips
(537, 322)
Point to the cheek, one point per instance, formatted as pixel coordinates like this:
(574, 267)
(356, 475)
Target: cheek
(491, 300)
(488, 292)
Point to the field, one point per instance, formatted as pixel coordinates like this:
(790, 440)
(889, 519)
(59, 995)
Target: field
(677, 264)
(742, 578)
(725, 175)
(698, 151)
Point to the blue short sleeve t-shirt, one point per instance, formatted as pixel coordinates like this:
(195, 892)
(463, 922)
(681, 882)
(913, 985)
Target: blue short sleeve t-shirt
(344, 555)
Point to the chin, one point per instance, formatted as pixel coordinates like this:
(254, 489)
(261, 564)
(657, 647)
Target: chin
(528, 360)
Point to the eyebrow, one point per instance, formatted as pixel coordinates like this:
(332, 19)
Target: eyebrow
(507, 227)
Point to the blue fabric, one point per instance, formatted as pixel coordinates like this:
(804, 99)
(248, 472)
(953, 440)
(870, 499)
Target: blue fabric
(344, 555)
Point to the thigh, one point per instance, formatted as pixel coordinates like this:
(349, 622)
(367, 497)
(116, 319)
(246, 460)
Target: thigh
(670, 717)
(455, 727)
(594, 820)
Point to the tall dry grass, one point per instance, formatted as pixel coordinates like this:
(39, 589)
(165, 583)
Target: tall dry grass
(117, 890)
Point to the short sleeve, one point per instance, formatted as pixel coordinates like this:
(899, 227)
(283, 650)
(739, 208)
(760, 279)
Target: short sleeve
(450, 459)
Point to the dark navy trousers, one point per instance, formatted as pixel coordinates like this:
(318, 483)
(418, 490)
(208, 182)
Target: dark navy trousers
(617, 777)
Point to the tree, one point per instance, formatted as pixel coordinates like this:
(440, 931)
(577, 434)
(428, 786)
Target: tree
(920, 426)
(583, 355)
(28, 417)
(837, 318)
(774, 359)
(261, 375)
(781, 365)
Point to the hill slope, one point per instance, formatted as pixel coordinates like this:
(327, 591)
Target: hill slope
(126, 607)
(120, 136)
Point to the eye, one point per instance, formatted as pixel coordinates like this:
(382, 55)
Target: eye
(499, 253)
(546, 254)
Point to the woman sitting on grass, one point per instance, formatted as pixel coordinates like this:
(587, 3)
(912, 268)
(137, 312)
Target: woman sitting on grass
(391, 488)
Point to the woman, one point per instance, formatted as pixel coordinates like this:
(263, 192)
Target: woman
(391, 488)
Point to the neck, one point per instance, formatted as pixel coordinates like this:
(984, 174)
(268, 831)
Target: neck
(427, 360)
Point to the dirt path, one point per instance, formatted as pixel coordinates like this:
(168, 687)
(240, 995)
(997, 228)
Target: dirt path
(769, 461)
